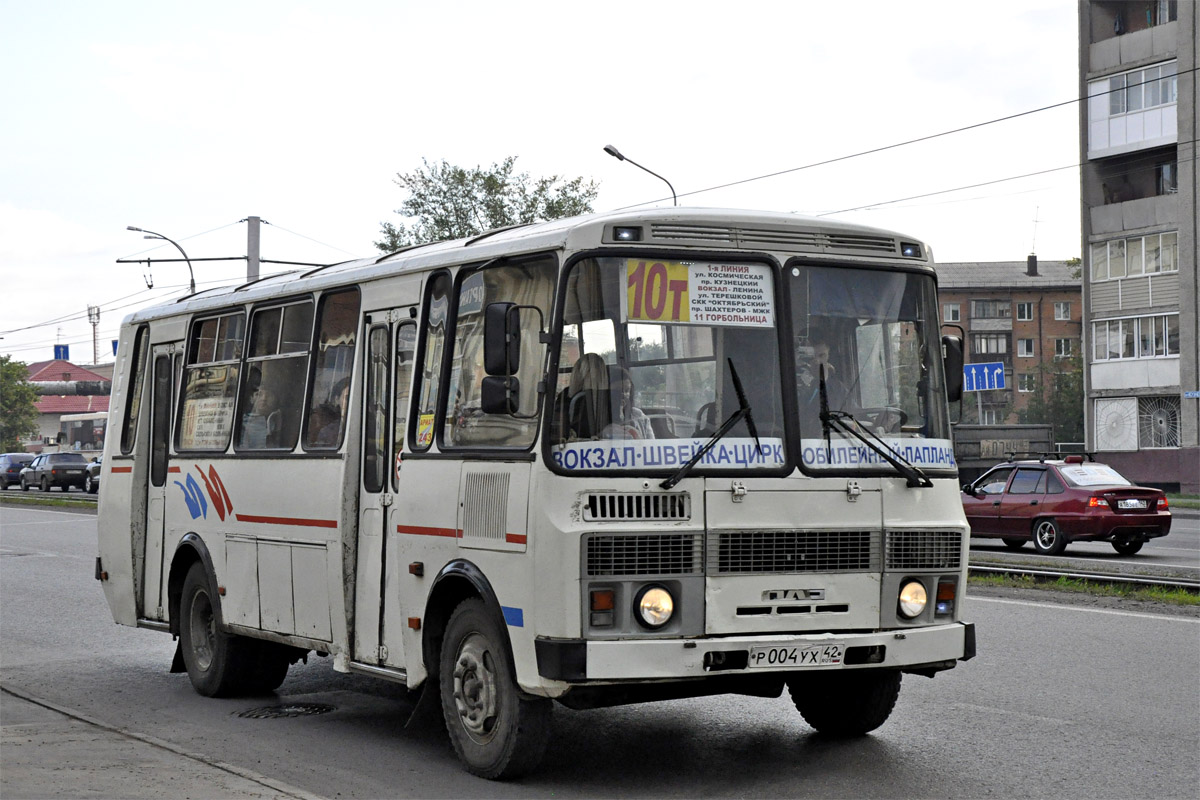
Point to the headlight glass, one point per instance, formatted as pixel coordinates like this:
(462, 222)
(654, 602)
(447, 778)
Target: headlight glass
(913, 598)
(654, 606)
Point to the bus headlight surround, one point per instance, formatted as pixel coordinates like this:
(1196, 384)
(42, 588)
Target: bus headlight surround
(654, 606)
(913, 599)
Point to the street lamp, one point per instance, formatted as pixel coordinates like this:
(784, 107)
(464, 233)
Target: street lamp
(153, 235)
(615, 153)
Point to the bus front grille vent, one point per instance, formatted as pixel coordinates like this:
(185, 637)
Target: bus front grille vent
(743, 552)
(622, 506)
(880, 244)
(643, 554)
(778, 239)
(924, 549)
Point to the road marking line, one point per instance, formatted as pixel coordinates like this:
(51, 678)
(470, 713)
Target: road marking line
(975, 598)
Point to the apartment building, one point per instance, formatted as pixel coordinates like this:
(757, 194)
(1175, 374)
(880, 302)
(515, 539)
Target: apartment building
(1024, 314)
(1137, 68)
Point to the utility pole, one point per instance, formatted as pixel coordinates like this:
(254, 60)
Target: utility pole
(253, 225)
(94, 318)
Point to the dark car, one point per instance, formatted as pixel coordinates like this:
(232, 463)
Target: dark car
(91, 475)
(63, 470)
(1056, 502)
(11, 465)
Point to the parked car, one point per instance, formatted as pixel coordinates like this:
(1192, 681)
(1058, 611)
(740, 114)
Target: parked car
(1052, 503)
(11, 465)
(91, 475)
(63, 470)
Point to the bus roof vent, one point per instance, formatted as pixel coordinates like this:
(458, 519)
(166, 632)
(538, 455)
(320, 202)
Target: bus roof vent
(788, 240)
(860, 242)
(621, 506)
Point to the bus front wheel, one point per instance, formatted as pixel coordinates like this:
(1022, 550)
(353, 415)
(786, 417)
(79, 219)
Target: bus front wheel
(218, 664)
(496, 731)
(849, 703)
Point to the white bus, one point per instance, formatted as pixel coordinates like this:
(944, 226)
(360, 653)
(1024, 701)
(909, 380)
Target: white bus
(616, 458)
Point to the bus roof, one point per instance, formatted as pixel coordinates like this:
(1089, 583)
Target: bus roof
(682, 228)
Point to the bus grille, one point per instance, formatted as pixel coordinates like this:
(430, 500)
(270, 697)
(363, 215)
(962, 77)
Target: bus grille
(599, 507)
(646, 554)
(924, 549)
(732, 552)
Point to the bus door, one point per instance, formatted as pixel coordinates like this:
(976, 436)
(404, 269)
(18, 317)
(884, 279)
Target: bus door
(391, 340)
(161, 403)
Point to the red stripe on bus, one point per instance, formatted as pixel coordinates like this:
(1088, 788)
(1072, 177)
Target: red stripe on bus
(304, 523)
(173, 469)
(121, 469)
(515, 538)
(418, 530)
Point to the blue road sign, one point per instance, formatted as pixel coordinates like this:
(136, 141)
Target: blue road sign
(62, 351)
(982, 377)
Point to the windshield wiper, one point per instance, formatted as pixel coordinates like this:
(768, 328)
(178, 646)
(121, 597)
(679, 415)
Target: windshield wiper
(726, 427)
(846, 423)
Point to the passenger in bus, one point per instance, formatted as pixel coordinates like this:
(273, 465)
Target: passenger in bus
(809, 380)
(329, 415)
(260, 426)
(587, 398)
(630, 422)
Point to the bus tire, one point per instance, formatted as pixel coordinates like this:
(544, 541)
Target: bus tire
(270, 667)
(218, 664)
(843, 704)
(496, 731)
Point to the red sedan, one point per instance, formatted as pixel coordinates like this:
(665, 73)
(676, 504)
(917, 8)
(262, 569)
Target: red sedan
(1055, 502)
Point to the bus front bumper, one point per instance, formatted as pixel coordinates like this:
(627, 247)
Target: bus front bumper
(577, 660)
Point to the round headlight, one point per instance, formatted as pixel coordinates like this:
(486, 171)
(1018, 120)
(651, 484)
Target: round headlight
(654, 606)
(913, 598)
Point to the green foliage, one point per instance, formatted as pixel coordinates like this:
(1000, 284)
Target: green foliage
(1057, 399)
(18, 416)
(449, 202)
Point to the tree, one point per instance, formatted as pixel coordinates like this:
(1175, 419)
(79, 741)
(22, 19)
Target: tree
(450, 202)
(18, 415)
(1057, 399)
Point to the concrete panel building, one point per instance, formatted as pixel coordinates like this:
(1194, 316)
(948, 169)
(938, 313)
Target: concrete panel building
(1139, 184)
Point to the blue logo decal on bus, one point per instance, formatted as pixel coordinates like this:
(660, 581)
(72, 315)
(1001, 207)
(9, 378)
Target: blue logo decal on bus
(513, 616)
(196, 503)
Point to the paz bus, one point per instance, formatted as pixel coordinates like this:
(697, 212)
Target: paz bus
(616, 458)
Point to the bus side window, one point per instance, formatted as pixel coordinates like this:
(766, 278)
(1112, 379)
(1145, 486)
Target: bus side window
(133, 403)
(333, 363)
(406, 354)
(433, 342)
(269, 407)
(210, 381)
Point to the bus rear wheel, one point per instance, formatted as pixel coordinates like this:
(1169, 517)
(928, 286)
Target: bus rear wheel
(218, 664)
(850, 703)
(496, 731)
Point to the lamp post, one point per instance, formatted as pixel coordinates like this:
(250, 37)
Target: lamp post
(615, 153)
(153, 235)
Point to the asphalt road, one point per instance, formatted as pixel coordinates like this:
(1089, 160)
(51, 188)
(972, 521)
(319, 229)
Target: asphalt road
(1062, 700)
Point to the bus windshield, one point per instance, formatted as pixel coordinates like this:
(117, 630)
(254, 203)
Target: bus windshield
(868, 348)
(653, 354)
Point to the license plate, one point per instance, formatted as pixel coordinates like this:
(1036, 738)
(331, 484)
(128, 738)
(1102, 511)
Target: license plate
(1131, 504)
(776, 657)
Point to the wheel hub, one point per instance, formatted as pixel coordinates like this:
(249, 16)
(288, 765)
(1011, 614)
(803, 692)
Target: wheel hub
(203, 631)
(475, 688)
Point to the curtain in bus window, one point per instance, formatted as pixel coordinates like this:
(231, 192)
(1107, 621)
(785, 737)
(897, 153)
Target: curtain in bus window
(210, 383)
(271, 402)
(333, 363)
(529, 283)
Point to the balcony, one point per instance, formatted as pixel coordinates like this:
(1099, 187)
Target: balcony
(1147, 212)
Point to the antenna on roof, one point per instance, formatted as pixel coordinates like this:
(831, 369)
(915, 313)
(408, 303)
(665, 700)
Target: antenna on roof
(1033, 246)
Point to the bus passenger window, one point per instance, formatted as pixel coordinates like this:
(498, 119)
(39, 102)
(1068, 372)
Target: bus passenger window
(269, 407)
(333, 363)
(133, 403)
(433, 334)
(210, 383)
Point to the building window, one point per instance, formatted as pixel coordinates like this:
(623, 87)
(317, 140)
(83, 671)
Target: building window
(986, 343)
(1062, 310)
(1025, 348)
(1166, 178)
(1024, 312)
(991, 309)
(1155, 336)
(1139, 255)
(1141, 89)
(1063, 348)
(1158, 422)
(989, 416)
(1026, 382)
(950, 312)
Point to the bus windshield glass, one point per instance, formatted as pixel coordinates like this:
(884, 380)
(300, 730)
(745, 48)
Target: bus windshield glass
(654, 356)
(868, 349)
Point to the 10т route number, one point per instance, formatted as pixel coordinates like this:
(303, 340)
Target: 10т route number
(657, 291)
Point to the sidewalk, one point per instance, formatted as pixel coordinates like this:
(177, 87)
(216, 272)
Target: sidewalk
(47, 752)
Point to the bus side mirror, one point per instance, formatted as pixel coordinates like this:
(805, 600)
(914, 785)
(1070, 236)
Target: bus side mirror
(952, 361)
(499, 394)
(502, 339)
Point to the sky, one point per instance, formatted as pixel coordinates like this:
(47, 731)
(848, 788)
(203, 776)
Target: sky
(185, 119)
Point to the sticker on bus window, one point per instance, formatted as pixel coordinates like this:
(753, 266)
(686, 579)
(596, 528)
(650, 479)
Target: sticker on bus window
(692, 293)
(642, 454)
(424, 430)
